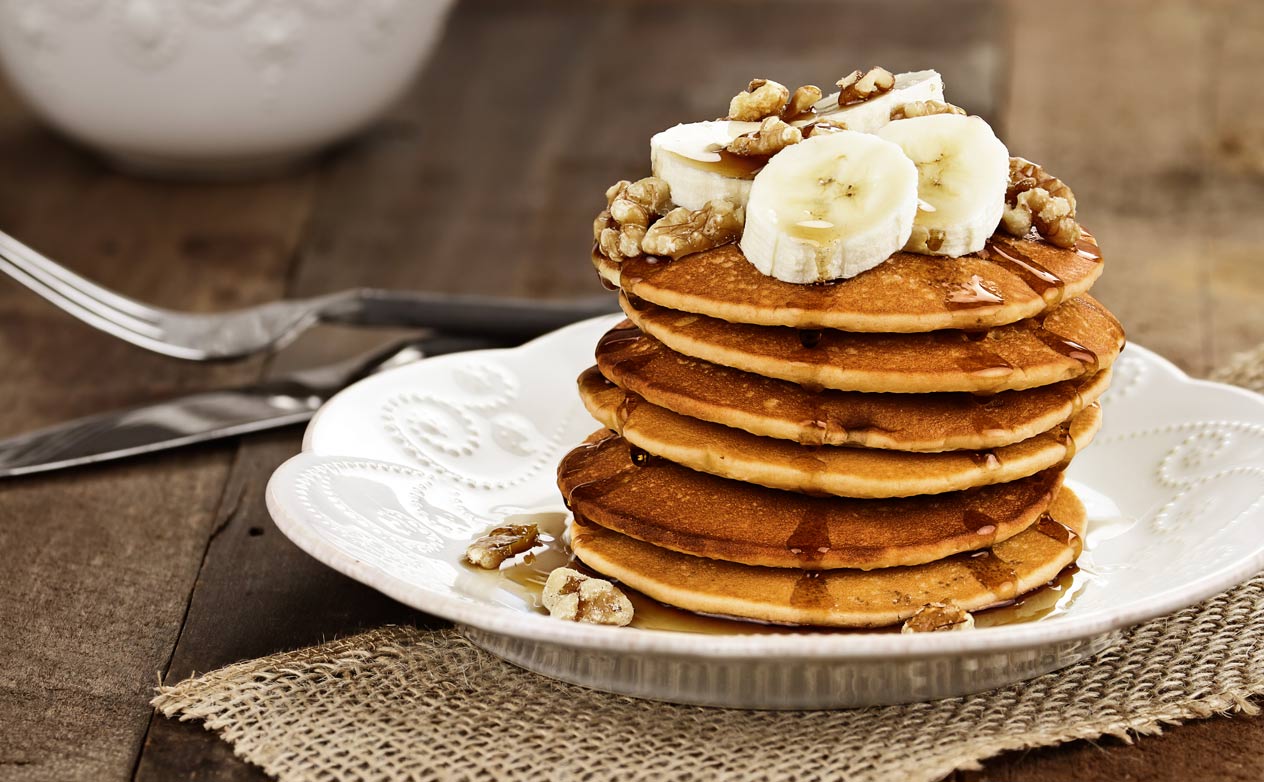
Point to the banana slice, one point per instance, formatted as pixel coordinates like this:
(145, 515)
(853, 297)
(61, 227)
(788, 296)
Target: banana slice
(830, 207)
(962, 172)
(691, 158)
(874, 113)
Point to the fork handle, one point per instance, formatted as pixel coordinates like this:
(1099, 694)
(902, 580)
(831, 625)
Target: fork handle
(466, 315)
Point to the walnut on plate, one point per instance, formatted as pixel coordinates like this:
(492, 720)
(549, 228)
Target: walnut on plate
(772, 136)
(630, 207)
(857, 87)
(924, 108)
(682, 231)
(762, 98)
(575, 597)
(1034, 198)
(501, 543)
(938, 618)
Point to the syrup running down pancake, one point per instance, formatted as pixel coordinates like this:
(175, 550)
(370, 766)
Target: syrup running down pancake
(838, 470)
(607, 482)
(1077, 339)
(777, 408)
(840, 598)
(1007, 281)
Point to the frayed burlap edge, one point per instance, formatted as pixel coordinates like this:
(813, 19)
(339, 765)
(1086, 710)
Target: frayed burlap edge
(402, 703)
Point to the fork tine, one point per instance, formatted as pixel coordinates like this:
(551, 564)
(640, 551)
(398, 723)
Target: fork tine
(106, 319)
(69, 297)
(38, 265)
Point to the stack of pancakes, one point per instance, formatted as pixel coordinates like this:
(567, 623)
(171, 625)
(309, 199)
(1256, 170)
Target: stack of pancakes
(841, 454)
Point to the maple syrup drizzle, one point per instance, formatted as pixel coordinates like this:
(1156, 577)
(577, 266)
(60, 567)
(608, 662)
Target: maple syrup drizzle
(1037, 277)
(810, 540)
(979, 523)
(640, 457)
(1067, 347)
(993, 573)
(982, 360)
(811, 592)
(1055, 530)
(988, 459)
(810, 338)
(730, 165)
(972, 294)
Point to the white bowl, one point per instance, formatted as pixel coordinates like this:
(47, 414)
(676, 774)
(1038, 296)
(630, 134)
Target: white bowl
(213, 87)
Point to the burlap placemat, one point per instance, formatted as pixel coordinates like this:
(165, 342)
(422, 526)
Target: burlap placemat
(400, 703)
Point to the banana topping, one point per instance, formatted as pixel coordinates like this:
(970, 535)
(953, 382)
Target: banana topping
(830, 207)
(962, 172)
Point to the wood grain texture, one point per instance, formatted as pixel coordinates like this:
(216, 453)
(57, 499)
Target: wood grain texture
(99, 567)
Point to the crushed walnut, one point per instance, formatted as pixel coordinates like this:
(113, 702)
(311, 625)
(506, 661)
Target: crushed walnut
(682, 231)
(924, 108)
(823, 126)
(1036, 199)
(630, 207)
(575, 597)
(802, 100)
(938, 618)
(500, 544)
(762, 98)
(857, 87)
(771, 137)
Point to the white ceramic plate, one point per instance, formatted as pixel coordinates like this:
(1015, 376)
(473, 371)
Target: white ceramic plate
(401, 470)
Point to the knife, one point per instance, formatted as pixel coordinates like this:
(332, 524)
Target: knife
(210, 415)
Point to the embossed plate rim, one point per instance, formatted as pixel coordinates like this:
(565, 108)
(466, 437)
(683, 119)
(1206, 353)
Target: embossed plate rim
(806, 646)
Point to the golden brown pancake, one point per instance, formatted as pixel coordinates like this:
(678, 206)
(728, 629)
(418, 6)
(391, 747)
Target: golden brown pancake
(1077, 339)
(839, 598)
(839, 470)
(777, 408)
(676, 508)
(1009, 280)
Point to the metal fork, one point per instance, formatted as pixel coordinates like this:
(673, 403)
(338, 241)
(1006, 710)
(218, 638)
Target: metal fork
(270, 326)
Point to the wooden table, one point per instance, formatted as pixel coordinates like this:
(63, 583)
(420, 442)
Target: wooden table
(485, 179)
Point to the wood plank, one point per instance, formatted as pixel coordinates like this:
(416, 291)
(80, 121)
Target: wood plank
(97, 565)
(416, 204)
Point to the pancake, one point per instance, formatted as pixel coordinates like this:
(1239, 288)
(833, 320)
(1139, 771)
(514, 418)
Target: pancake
(1009, 280)
(777, 408)
(839, 598)
(1077, 339)
(695, 513)
(838, 470)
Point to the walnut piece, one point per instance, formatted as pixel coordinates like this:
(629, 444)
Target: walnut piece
(857, 87)
(802, 100)
(762, 98)
(1035, 198)
(683, 232)
(575, 597)
(938, 618)
(771, 137)
(630, 207)
(823, 126)
(924, 108)
(500, 544)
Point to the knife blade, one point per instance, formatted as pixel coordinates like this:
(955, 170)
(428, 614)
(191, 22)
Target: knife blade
(209, 415)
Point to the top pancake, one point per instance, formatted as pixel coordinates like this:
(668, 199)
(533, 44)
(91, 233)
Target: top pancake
(1007, 281)
(1076, 339)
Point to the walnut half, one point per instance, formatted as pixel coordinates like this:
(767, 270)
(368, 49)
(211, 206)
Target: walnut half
(923, 108)
(630, 207)
(938, 618)
(762, 98)
(501, 543)
(682, 232)
(771, 137)
(857, 87)
(575, 597)
(1035, 198)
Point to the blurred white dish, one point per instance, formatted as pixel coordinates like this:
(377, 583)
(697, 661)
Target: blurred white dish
(213, 87)
(401, 470)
